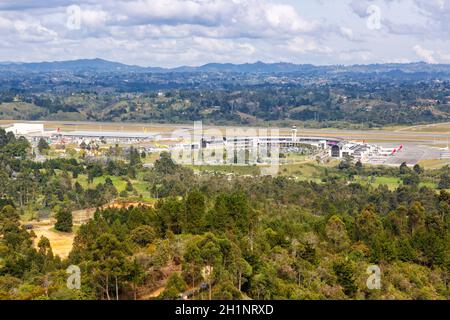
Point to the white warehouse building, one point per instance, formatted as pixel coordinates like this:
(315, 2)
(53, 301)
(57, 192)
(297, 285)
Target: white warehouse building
(26, 129)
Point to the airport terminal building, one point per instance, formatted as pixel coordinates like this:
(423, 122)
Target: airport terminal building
(321, 147)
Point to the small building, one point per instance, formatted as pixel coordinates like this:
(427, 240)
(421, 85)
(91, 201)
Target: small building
(335, 150)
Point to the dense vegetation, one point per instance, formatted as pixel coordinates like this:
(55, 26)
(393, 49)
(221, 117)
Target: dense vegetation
(361, 96)
(216, 236)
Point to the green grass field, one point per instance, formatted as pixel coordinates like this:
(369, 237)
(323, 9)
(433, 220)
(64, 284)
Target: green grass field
(139, 185)
(434, 164)
(304, 171)
(239, 170)
(391, 182)
(433, 128)
(151, 158)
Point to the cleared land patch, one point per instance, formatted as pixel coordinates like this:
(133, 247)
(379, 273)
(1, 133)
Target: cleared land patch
(61, 242)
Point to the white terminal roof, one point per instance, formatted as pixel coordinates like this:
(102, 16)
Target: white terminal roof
(24, 128)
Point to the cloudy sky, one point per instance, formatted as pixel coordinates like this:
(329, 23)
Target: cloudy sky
(193, 32)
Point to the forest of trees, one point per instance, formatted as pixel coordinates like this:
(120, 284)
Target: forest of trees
(209, 236)
(338, 100)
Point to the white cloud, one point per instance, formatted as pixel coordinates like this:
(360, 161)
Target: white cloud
(243, 18)
(425, 54)
(347, 33)
(444, 56)
(33, 4)
(300, 45)
(93, 18)
(34, 32)
(355, 55)
(175, 32)
(285, 17)
(206, 12)
(359, 7)
(5, 24)
(437, 16)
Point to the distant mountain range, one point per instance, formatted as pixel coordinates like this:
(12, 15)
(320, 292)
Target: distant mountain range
(100, 65)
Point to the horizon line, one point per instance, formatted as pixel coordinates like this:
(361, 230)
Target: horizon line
(220, 63)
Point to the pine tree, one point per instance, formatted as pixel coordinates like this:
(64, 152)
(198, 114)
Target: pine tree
(195, 211)
(64, 221)
(345, 277)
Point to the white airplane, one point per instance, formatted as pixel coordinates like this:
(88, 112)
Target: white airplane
(391, 151)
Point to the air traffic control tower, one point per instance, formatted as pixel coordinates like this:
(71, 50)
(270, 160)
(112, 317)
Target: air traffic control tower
(294, 133)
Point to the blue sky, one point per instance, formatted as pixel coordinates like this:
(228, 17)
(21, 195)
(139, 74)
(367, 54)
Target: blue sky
(193, 32)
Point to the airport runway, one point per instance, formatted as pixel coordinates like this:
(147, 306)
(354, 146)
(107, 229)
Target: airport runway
(372, 135)
(412, 154)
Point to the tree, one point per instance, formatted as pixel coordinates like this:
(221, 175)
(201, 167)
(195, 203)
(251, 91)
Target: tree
(232, 212)
(227, 291)
(16, 246)
(444, 182)
(169, 215)
(8, 214)
(123, 194)
(94, 171)
(13, 147)
(45, 258)
(416, 218)
(165, 165)
(43, 146)
(208, 253)
(109, 257)
(398, 221)
(244, 269)
(136, 275)
(404, 168)
(411, 179)
(44, 246)
(143, 235)
(129, 186)
(345, 277)
(134, 156)
(64, 221)
(418, 169)
(345, 164)
(337, 233)
(174, 287)
(108, 182)
(368, 224)
(195, 212)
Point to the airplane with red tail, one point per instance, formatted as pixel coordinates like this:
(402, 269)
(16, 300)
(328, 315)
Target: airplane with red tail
(396, 150)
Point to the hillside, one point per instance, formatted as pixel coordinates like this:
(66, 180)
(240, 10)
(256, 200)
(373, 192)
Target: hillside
(100, 65)
(362, 96)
